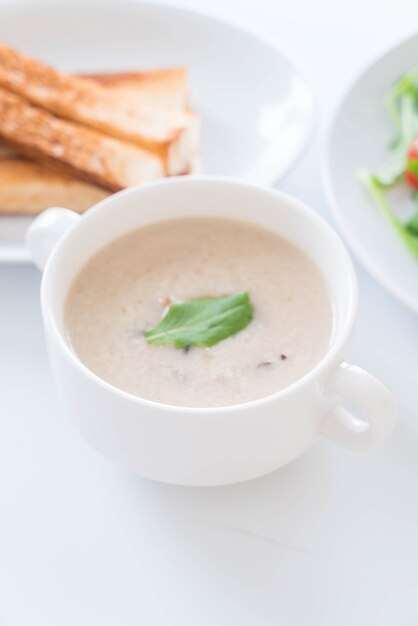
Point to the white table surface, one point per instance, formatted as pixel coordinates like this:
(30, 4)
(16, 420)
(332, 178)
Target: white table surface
(330, 540)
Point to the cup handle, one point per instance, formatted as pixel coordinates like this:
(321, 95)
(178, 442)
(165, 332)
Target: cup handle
(374, 411)
(45, 232)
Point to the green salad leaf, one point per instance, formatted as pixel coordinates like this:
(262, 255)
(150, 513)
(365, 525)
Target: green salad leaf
(405, 86)
(202, 322)
(412, 224)
(402, 105)
(395, 166)
(408, 233)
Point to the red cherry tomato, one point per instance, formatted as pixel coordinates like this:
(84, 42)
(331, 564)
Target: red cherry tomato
(411, 173)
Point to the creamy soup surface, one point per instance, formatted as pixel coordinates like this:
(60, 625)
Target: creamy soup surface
(126, 287)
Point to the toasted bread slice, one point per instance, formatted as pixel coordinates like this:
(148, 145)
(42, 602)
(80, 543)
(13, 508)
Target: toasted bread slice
(159, 89)
(88, 154)
(169, 134)
(162, 89)
(27, 188)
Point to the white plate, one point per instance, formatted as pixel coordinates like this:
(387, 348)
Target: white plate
(357, 139)
(256, 105)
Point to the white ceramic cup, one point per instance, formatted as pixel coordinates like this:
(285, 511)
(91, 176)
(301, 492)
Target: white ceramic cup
(208, 446)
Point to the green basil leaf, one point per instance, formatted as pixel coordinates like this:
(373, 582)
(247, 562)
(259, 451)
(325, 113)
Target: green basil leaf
(202, 322)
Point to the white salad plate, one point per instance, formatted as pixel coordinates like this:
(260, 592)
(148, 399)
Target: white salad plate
(256, 104)
(357, 139)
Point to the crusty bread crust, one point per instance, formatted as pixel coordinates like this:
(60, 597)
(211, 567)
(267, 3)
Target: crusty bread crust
(6, 152)
(72, 148)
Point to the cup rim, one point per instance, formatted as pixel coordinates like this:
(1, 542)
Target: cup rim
(291, 202)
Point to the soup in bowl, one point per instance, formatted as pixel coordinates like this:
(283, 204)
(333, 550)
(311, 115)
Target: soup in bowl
(197, 330)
